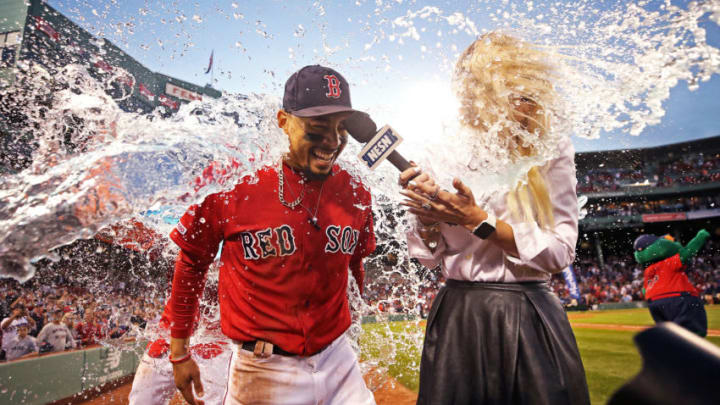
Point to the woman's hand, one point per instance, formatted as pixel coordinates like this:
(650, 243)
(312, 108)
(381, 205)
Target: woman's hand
(432, 204)
(410, 178)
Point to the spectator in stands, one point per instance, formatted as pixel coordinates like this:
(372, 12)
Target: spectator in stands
(89, 331)
(21, 345)
(5, 300)
(56, 334)
(138, 318)
(68, 320)
(119, 323)
(38, 315)
(9, 325)
(711, 293)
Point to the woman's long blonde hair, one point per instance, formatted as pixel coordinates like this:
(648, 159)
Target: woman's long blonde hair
(493, 76)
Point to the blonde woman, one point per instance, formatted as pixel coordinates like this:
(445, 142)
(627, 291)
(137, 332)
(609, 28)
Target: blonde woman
(495, 333)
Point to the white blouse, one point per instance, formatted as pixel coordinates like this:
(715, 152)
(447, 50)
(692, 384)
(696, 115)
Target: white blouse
(463, 256)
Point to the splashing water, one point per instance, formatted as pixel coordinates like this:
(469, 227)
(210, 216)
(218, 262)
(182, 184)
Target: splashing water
(615, 66)
(124, 164)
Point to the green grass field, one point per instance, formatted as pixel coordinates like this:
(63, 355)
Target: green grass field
(609, 356)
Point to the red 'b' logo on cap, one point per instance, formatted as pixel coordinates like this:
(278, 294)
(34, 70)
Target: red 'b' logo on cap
(333, 86)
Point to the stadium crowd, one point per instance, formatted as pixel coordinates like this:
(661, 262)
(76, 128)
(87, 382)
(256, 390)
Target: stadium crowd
(690, 169)
(59, 318)
(687, 169)
(677, 204)
(110, 294)
(64, 308)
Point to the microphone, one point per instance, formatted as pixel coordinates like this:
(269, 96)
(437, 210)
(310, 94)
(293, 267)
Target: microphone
(363, 129)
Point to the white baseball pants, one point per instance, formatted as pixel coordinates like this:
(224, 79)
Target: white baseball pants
(331, 377)
(154, 383)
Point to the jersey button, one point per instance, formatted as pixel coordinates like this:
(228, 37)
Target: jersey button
(307, 303)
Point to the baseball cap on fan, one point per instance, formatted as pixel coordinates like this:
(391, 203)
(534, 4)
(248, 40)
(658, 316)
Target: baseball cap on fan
(316, 90)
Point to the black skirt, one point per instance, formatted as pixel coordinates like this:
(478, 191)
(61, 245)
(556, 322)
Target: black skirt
(494, 343)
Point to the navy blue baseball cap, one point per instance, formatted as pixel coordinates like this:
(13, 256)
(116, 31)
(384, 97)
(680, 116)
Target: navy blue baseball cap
(643, 241)
(316, 90)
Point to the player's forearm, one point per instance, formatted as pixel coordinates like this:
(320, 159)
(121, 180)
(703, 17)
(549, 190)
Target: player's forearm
(187, 287)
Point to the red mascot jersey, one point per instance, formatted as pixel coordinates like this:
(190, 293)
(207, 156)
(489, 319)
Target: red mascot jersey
(667, 278)
(282, 278)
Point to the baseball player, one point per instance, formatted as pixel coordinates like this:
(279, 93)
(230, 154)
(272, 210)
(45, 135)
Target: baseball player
(288, 241)
(670, 295)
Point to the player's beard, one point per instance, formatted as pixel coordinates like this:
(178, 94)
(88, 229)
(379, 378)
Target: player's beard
(315, 176)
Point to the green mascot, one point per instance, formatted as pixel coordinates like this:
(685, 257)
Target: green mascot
(670, 295)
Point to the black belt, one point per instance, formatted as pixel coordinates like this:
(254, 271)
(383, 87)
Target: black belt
(483, 285)
(250, 346)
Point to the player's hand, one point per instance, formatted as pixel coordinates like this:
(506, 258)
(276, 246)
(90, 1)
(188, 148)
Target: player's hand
(187, 376)
(703, 233)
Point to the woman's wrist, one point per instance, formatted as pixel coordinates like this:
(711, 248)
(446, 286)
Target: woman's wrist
(476, 217)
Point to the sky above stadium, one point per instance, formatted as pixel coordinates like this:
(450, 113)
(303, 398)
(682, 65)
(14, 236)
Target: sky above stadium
(397, 54)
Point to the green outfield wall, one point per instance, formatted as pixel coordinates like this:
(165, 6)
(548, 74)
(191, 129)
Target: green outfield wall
(48, 378)
(623, 305)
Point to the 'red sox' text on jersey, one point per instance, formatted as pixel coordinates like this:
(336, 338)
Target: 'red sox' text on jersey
(283, 277)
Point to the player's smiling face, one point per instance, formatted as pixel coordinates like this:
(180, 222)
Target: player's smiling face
(315, 143)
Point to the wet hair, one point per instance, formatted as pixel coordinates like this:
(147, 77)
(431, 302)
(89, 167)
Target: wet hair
(492, 75)
(495, 71)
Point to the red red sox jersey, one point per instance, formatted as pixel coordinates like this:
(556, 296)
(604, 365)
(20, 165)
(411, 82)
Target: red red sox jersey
(665, 278)
(282, 278)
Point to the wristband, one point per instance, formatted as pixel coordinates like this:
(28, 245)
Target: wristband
(180, 360)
